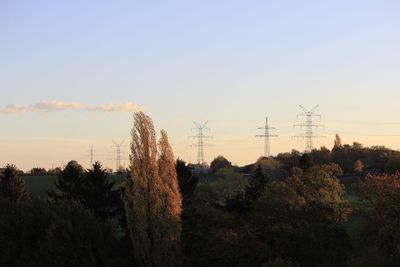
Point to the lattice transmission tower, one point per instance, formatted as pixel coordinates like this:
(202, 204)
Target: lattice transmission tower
(266, 135)
(118, 154)
(91, 155)
(200, 137)
(309, 126)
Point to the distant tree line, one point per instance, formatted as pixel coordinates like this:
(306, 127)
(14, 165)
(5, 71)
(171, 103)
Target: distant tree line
(295, 209)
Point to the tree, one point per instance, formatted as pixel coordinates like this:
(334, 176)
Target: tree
(69, 183)
(172, 204)
(358, 166)
(338, 142)
(382, 193)
(256, 187)
(38, 171)
(90, 188)
(220, 162)
(98, 194)
(12, 187)
(151, 197)
(39, 233)
(300, 217)
(187, 182)
(306, 161)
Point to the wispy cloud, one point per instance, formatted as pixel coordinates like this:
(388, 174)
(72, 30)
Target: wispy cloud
(61, 105)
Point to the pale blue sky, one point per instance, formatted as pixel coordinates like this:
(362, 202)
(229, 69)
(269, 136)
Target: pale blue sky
(229, 62)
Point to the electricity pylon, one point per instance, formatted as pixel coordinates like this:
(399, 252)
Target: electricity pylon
(118, 152)
(91, 155)
(308, 125)
(200, 144)
(266, 135)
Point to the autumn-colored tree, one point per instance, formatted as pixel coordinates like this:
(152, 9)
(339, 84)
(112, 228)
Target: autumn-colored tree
(152, 199)
(337, 142)
(172, 204)
(301, 216)
(12, 187)
(358, 166)
(382, 193)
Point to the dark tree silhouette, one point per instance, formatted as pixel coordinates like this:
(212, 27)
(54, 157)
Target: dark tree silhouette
(69, 184)
(98, 194)
(220, 162)
(12, 187)
(256, 187)
(187, 182)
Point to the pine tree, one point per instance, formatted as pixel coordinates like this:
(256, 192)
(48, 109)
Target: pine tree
(187, 182)
(257, 183)
(98, 194)
(12, 187)
(151, 197)
(69, 183)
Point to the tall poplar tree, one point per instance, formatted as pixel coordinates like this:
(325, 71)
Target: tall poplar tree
(152, 199)
(172, 203)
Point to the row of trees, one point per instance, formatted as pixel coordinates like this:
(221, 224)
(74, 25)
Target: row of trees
(290, 211)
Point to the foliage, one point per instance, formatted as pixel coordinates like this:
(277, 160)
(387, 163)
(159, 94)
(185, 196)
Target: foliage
(38, 233)
(152, 199)
(187, 182)
(382, 192)
(38, 171)
(271, 168)
(393, 164)
(218, 163)
(69, 184)
(300, 217)
(98, 194)
(217, 238)
(227, 184)
(12, 186)
(257, 183)
(358, 166)
(90, 188)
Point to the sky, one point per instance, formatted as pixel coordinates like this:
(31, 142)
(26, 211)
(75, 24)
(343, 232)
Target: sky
(73, 72)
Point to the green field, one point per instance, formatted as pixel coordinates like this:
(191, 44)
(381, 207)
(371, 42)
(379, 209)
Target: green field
(40, 184)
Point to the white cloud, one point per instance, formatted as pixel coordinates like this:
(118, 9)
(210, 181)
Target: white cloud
(60, 105)
(123, 108)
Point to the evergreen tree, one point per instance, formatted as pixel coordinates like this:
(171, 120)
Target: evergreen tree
(98, 194)
(12, 187)
(187, 182)
(256, 187)
(69, 183)
(151, 197)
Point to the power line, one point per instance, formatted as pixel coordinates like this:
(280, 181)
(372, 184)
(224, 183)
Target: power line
(200, 144)
(308, 125)
(266, 135)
